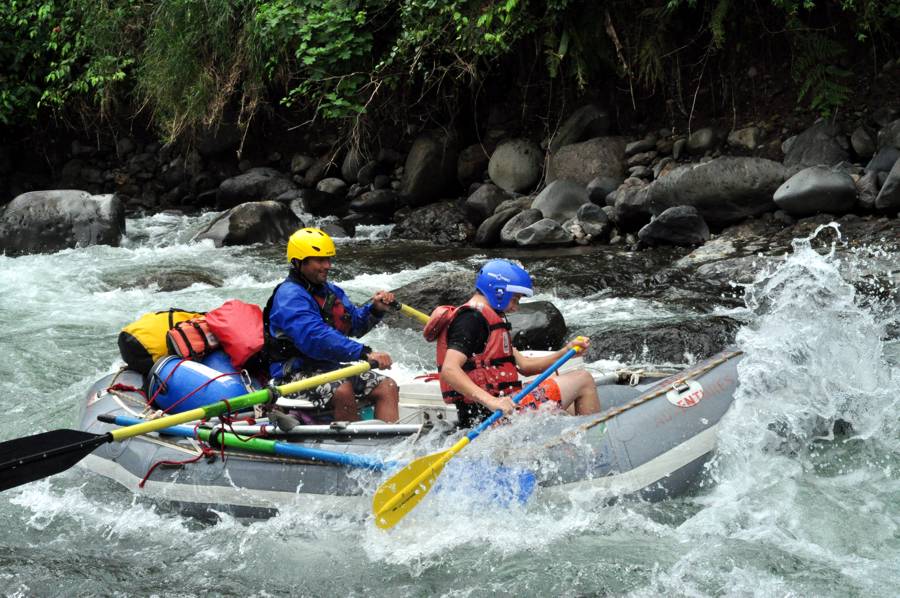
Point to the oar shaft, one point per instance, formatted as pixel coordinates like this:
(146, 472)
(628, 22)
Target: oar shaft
(410, 312)
(264, 445)
(238, 403)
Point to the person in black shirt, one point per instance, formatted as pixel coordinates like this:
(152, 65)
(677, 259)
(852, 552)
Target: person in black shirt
(499, 286)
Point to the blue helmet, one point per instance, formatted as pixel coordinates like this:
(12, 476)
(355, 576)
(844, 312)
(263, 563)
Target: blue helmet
(499, 280)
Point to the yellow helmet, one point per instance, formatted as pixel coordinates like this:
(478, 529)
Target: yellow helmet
(309, 242)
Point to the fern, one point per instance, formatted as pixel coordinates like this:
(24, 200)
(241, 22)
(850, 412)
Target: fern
(821, 80)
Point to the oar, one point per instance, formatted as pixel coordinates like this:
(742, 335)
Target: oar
(410, 312)
(24, 460)
(403, 491)
(260, 445)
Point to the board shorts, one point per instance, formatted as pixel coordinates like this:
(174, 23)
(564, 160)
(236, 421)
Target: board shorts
(320, 396)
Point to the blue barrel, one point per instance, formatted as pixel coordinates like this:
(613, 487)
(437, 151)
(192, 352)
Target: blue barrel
(178, 385)
(219, 361)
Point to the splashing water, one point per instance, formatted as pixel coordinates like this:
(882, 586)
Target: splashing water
(796, 510)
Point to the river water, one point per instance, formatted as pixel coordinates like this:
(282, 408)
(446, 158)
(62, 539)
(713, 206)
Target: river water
(787, 508)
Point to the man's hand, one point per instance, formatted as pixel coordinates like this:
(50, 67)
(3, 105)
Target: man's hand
(382, 300)
(582, 342)
(493, 403)
(383, 360)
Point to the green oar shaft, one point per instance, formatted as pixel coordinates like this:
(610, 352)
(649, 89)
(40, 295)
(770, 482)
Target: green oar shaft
(237, 403)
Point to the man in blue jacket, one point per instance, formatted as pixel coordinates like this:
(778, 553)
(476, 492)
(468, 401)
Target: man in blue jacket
(307, 325)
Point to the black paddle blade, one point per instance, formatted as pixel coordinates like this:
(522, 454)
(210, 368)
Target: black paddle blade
(24, 460)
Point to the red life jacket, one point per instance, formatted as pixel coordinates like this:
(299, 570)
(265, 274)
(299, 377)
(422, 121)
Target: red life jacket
(334, 313)
(494, 369)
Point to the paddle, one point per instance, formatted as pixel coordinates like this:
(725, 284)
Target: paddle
(260, 445)
(403, 491)
(41, 455)
(409, 311)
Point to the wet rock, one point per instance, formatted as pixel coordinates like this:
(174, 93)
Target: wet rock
(256, 184)
(889, 136)
(583, 162)
(167, 280)
(48, 221)
(817, 189)
(320, 203)
(703, 140)
(602, 186)
(593, 222)
(867, 188)
(884, 160)
(381, 201)
(678, 343)
(252, 222)
(642, 145)
(488, 233)
(679, 225)
(430, 170)
(544, 232)
(824, 143)
(560, 200)
(443, 222)
(862, 140)
(483, 202)
(518, 222)
(585, 123)
(300, 163)
(515, 165)
(332, 186)
(724, 190)
(889, 197)
(472, 163)
(747, 138)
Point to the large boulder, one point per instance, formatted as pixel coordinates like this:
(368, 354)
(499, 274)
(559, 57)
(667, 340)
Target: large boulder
(824, 143)
(48, 221)
(482, 203)
(662, 342)
(583, 162)
(561, 199)
(544, 232)
(587, 122)
(442, 223)
(680, 225)
(724, 190)
(515, 165)
(889, 196)
(488, 232)
(471, 164)
(518, 222)
(430, 170)
(257, 184)
(817, 189)
(253, 222)
(379, 201)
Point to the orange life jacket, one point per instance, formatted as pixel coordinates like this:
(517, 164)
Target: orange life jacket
(494, 369)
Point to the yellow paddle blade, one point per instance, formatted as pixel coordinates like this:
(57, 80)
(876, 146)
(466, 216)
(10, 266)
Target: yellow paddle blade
(400, 494)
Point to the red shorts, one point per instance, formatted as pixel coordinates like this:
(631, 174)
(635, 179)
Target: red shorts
(548, 390)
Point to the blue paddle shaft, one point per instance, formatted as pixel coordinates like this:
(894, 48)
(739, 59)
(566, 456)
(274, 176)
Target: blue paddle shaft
(522, 393)
(284, 449)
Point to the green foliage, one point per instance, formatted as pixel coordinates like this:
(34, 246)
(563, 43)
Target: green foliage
(190, 62)
(815, 69)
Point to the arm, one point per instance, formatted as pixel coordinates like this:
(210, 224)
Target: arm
(453, 374)
(296, 314)
(366, 316)
(530, 366)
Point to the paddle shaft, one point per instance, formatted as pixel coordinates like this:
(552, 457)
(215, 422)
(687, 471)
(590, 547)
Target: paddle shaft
(238, 403)
(263, 445)
(410, 312)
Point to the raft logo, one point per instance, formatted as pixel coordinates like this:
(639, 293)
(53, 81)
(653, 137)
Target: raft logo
(685, 394)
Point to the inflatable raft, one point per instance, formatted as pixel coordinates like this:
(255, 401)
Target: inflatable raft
(651, 439)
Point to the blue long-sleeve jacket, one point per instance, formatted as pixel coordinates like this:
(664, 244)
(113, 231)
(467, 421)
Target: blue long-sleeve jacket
(295, 315)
